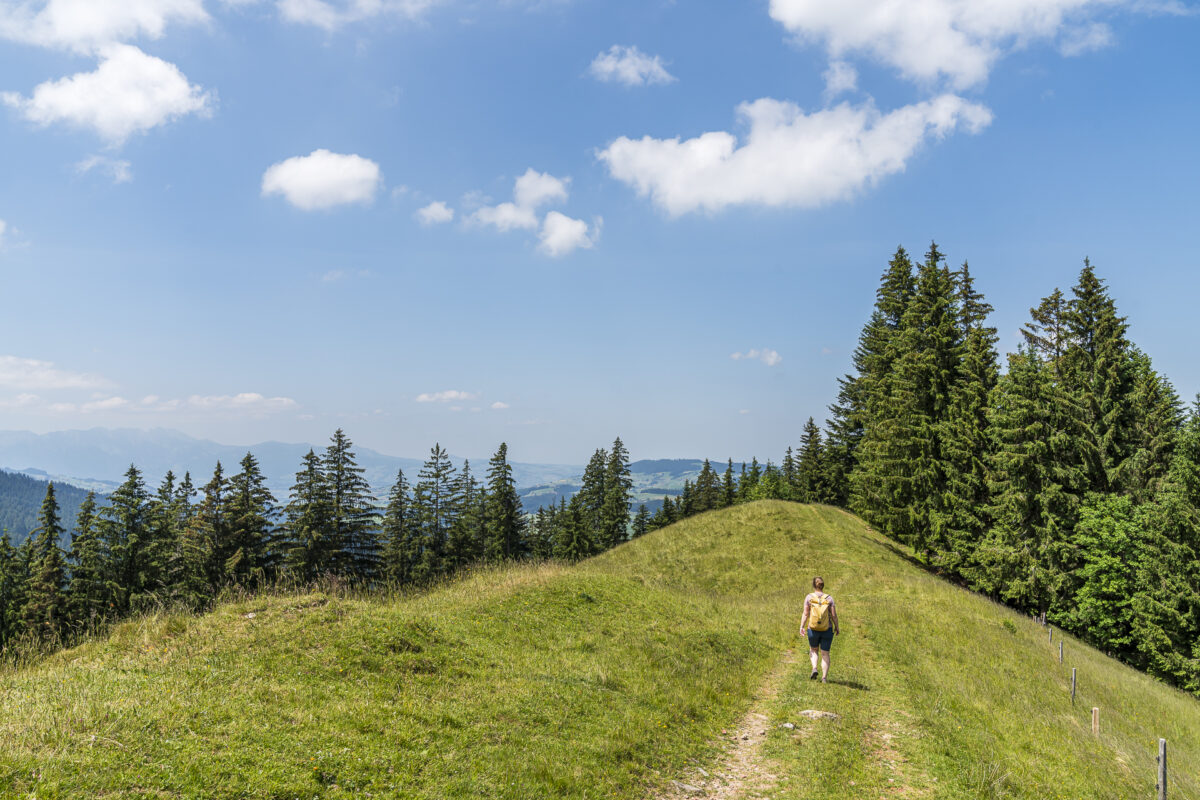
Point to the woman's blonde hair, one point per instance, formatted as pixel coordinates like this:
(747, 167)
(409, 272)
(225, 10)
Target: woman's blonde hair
(819, 583)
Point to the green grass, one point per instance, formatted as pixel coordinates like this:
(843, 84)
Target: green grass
(603, 680)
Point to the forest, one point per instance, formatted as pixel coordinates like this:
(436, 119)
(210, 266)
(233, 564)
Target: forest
(1066, 484)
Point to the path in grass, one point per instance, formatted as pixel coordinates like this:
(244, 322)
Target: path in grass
(742, 771)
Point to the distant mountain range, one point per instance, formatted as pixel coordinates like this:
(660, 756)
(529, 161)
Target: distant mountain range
(98, 458)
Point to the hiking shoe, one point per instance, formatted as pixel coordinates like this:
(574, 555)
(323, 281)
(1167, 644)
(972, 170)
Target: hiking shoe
(813, 677)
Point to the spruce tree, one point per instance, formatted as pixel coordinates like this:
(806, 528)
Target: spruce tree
(467, 537)
(206, 543)
(45, 611)
(575, 541)
(434, 507)
(591, 495)
(505, 517)
(809, 481)
(134, 564)
(354, 519)
(12, 590)
(251, 556)
(707, 492)
(401, 545)
(728, 486)
(618, 492)
(1156, 419)
(641, 521)
(310, 548)
(88, 593)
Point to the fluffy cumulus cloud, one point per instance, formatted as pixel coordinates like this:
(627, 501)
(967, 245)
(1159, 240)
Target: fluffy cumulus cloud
(630, 66)
(958, 41)
(841, 77)
(561, 235)
(245, 402)
(30, 374)
(788, 157)
(322, 180)
(448, 396)
(129, 92)
(766, 356)
(499, 405)
(85, 25)
(331, 14)
(435, 213)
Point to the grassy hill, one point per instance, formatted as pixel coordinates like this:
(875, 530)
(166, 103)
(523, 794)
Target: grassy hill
(604, 680)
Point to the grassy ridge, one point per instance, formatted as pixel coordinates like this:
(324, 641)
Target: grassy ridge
(602, 680)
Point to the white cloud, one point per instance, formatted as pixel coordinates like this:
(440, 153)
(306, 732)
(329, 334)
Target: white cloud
(86, 25)
(1085, 39)
(104, 404)
(534, 189)
(561, 235)
(530, 191)
(247, 402)
(116, 169)
(129, 92)
(444, 397)
(323, 180)
(788, 157)
(31, 374)
(630, 66)
(435, 213)
(499, 406)
(841, 77)
(766, 356)
(954, 40)
(330, 15)
(3, 230)
(506, 217)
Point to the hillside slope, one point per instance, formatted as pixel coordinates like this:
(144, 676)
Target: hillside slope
(604, 680)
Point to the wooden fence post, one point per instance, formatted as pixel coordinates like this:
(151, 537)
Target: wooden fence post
(1162, 769)
(1051, 639)
(1095, 721)
(1072, 685)
(1060, 651)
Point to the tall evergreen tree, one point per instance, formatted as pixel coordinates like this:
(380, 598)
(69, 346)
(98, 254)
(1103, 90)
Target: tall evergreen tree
(12, 590)
(45, 611)
(618, 492)
(87, 590)
(434, 506)
(728, 486)
(310, 548)
(401, 543)
(251, 555)
(505, 517)
(467, 537)
(134, 563)
(809, 481)
(641, 521)
(707, 492)
(353, 518)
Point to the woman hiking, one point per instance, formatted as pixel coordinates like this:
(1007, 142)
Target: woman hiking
(820, 625)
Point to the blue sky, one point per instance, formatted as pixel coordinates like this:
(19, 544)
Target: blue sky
(554, 222)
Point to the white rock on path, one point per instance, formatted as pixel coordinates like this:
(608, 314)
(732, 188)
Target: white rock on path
(811, 714)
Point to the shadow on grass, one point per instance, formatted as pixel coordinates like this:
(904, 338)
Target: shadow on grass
(862, 687)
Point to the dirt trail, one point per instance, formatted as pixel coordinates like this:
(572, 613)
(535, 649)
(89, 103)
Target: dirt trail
(741, 773)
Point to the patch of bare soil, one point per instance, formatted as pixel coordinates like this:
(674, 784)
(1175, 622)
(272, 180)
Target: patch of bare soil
(742, 773)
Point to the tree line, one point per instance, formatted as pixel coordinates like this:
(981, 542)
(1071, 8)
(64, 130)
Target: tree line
(180, 545)
(1066, 484)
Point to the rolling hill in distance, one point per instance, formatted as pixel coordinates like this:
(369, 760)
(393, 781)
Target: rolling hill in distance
(97, 459)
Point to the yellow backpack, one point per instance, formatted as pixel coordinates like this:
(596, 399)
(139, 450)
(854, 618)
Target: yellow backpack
(818, 612)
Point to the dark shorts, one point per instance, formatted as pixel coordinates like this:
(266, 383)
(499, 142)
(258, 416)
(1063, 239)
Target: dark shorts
(822, 640)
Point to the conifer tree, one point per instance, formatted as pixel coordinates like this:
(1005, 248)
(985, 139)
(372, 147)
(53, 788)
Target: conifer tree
(12, 590)
(707, 492)
(401, 546)
(134, 563)
(251, 554)
(206, 543)
(1097, 369)
(728, 486)
(45, 611)
(574, 538)
(434, 506)
(505, 517)
(467, 538)
(641, 521)
(1156, 420)
(310, 548)
(541, 534)
(618, 491)
(748, 484)
(354, 520)
(872, 363)
(591, 495)
(87, 590)
(968, 442)
(809, 480)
